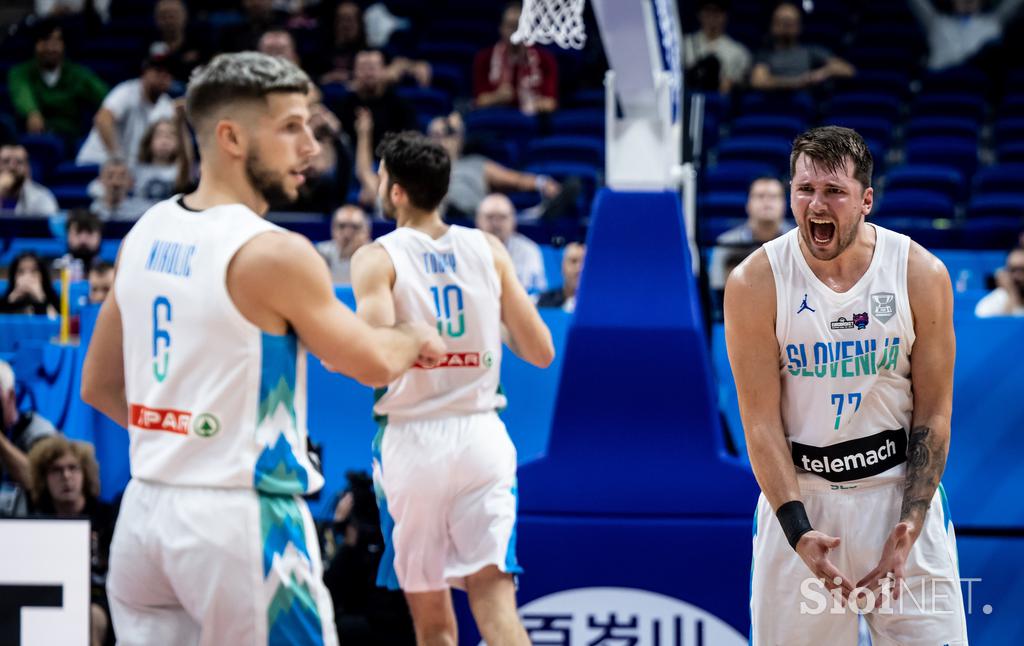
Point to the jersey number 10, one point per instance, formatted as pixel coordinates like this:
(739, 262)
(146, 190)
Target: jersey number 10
(451, 318)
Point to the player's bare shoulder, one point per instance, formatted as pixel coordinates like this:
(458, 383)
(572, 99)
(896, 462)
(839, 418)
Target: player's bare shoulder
(750, 289)
(928, 285)
(372, 261)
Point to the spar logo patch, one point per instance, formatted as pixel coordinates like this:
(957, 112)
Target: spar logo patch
(455, 360)
(160, 419)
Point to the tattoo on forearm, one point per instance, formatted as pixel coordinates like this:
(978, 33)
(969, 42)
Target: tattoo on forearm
(925, 464)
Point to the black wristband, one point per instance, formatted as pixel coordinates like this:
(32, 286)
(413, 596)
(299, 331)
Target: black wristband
(793, 518)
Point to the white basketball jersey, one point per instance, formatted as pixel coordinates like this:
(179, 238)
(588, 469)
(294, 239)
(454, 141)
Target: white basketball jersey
(451, 281)
(845, 362)
(214, 401)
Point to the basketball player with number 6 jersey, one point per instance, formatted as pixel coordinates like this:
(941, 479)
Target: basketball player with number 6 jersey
(840, 336)
(200, 353)
(444, 466)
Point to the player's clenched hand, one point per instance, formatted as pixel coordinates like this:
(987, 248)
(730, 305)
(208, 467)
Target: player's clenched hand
(432, 348)
(894, 559)
(813, 548)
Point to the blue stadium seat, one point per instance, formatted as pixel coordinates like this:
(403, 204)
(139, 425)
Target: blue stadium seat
(523, 200)
(576, 150)
(864, 104)
(1012, 106)
(991, 232)
(786, 104)
(1009, 129)
(72, 196)
(956, 80)
(426, 101)
(771, 151)
(734, 176)
(448, 52)
(43, 247)
(1006, 205)
(1000, 178)
(464, 30)
(908, 203)
(68, 173)
(508, 123)
(961, 154)
(449, 78)
(895, 83)
(756, 125)
(586, 99)
(723, 205)
(496, 149)
(334, 94)
(937, 179)
(45, 150)
(876, 128)
(16, 329)
(919, 127)
(581, 121)
(965, 106)
(1010, 151)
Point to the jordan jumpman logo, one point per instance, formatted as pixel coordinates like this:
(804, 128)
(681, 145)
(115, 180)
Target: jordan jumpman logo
(804, 306)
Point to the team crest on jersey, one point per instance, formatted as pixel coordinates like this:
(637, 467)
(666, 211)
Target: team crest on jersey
(860, 320)
(883, 305)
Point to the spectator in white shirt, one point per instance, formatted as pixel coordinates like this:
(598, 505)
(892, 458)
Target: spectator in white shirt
(1007, 299)
(350, 229)
(956, 38)
(713, 60)
(496, 215)
(127, 112)
(18, 193)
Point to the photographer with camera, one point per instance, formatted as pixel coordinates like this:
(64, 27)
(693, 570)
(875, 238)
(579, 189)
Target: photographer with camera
(1007, 299)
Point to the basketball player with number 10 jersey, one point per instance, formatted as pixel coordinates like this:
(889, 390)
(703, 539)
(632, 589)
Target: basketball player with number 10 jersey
(444, 466)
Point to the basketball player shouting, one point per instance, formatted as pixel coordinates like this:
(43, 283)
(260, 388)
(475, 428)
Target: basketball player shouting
(840, 337)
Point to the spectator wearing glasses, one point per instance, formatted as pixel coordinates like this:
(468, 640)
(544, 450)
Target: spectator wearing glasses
(1007, 299)
(350, 229)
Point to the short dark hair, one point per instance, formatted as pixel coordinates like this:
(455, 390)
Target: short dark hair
(84, 220)
(44, 28)
(417, 164)
(830, 147)
(240, 76)
(100, 266)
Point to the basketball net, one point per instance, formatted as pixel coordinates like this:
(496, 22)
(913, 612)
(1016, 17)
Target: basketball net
(551, 21)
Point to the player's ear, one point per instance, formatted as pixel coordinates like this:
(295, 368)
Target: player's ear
(230, 137)
(397, 194)
(868, 200)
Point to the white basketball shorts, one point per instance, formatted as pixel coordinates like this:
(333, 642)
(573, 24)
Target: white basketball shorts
(191, 565)
(447, 492)
(790, 607)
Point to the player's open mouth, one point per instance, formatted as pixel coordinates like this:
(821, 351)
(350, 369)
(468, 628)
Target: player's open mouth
(299, 176)
(822, 230)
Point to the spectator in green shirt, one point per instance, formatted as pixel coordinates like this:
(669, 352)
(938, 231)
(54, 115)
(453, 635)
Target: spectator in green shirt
(50, 93)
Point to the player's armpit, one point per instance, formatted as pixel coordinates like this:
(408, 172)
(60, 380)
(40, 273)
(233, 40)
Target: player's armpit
(531, 338)
(754, 357)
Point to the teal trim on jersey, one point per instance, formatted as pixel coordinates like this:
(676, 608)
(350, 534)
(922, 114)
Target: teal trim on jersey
(501, 391)
(277, 470)
(382, 420)
(947, 520)
(750, 595)
(292, 614)
(387, 577)
(511, 562)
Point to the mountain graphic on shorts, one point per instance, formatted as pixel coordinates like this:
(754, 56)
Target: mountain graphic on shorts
(280, 525)
(277, 468)
(292, 616)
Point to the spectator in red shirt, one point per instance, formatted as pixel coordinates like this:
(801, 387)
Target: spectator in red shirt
(515, 75)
